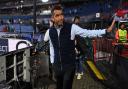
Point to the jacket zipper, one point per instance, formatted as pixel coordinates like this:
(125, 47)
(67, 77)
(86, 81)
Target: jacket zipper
(59, 53)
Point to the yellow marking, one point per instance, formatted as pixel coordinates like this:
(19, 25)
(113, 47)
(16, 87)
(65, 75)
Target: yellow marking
(96, 71)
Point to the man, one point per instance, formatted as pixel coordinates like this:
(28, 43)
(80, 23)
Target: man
(121, 33)
(121, 37)
(61, 38)
(76, 20)
(79, 61)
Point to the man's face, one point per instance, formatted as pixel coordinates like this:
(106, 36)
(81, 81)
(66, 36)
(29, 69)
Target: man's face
(58, 17)
(77, 21)
(122, 26)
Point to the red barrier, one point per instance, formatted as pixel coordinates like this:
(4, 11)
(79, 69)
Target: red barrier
(102, 49)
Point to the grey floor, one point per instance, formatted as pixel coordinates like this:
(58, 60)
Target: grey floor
(86, 82)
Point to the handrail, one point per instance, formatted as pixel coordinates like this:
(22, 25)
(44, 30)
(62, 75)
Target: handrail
(16, 51)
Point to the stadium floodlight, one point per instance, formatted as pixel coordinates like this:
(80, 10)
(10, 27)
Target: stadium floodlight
(44, 0)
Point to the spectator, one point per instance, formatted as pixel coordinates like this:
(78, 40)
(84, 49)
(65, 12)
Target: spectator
(5, 29)
(79, 61)
(121, 33)
(76, 20)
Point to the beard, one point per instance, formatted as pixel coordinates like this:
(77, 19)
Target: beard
(59, 25)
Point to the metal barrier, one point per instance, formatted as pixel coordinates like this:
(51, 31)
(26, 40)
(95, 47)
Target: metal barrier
(15, 67)
(102, 49)
(111, 59)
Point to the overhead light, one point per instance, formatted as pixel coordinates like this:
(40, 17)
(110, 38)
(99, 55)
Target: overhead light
(45, 12)
(44, 0)
(21, 1)
(21, 6)
(17, 7)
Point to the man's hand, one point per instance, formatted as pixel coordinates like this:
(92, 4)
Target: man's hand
(112, 25)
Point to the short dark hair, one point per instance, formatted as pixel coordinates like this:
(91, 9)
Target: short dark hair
(121, 24)
(76, 17)
(56, 7)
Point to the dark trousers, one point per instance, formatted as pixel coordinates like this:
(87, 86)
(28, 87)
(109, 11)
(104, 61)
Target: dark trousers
(65, 78)
(79, 67)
